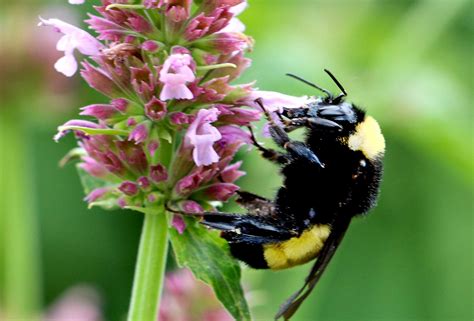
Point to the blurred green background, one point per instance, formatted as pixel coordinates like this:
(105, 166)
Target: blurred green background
(408, 63)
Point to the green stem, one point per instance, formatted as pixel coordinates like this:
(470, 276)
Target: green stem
(18, 226)
(150, 268)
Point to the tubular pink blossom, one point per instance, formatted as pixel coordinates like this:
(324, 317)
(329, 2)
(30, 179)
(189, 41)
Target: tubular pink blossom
(128, 188)
(176, 72)
(96, 194)
(150, 46)
(235, 25)
(274, 101)
(74, 38)
(155, 109)
(238, 116)
(179, 118)
(158, 173)
(191, 207)
(99, 111)
(93, 167)
(140, 133)
(144, 183)
(221, 191)
(64, 129)
(226, 42)
(99, 80)
(202, 135)
(231, 173)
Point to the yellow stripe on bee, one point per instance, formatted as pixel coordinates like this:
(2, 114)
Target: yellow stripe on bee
(367, 138)
(297, 250)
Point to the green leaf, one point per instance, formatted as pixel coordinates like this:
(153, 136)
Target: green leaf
(208, 257)
(165, 134)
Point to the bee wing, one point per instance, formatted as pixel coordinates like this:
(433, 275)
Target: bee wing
(255, 204)
(338, 230)
(246, 228)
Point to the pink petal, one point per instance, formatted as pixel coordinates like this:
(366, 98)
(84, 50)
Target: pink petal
(202, 135)
(205, 154)
(67, 65)
(74, 38)
(175, 92)
(176, 72)
(274, 101)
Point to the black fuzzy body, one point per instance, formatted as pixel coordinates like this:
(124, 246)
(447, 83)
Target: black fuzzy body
(342, 187)
(346, 185)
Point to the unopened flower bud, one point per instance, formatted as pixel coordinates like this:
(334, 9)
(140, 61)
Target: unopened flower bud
(140, 133)
(221, 191)
(191, 207)
(155, 109)
(150, 46)
(95, 194)
(178, 223)
(129, 188)
(144, 183)
(158, 173)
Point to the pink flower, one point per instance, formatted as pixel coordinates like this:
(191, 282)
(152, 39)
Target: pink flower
(235, 25)
(202, 135)
(185, 298)
(129, 188)
(227, 42)
(76, 1)
(158, 173)
(65, 128)
(77, 303)
(140, 133)
(74, 38)
(221, 191)
(191, 207)
(274, 101)
(155, 109)
(95, 194)
(93, 167)
(176, 72)
(231, 173)
(99, 111)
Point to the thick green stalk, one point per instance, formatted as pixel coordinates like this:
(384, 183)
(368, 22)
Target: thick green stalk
(18, 227)
(150, 268)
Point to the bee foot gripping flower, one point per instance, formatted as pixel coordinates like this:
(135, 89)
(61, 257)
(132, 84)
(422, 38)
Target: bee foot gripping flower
(168, 135)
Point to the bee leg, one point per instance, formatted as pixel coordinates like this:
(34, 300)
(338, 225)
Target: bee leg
(295, 149)
(291, 125)
(270, 154)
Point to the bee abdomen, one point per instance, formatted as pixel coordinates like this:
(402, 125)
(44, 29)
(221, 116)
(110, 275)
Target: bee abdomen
(297, 250)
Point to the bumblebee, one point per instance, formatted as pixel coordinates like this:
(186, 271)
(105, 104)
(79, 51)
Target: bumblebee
(331, 177)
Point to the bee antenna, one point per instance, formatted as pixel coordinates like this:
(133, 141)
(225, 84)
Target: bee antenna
(327, 92)
(344, 93)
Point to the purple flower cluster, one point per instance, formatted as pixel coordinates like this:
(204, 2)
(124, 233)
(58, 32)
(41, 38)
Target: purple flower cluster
(173, 122)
